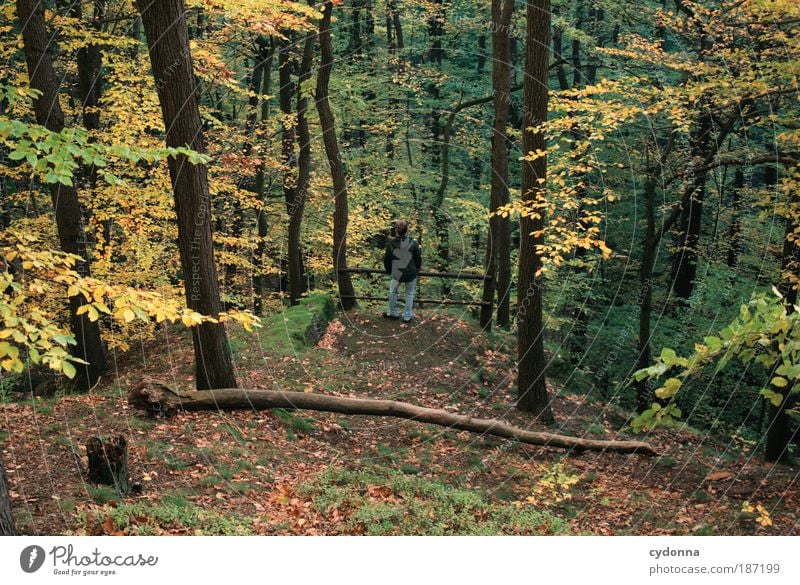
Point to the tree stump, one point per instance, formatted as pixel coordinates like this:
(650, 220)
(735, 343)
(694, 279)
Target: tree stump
(108, 462)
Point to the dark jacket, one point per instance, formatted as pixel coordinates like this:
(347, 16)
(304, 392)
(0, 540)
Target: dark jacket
(402, 259)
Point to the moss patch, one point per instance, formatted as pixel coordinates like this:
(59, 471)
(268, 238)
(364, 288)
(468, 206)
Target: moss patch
(299, 327)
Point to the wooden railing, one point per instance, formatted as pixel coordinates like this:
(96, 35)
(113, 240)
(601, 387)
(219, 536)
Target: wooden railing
(427, 274)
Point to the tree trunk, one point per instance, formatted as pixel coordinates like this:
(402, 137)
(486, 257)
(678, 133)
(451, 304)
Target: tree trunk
(735, 228)
(531, 383)
(356, 47)
(168, 43)
(266, 54)
(294, 191)
(685, 266)
(441, 223)
(334, 155)
(502, 11)
(779, 436)
(66, 206)
(90, 63)
(645, 300)
(6, 517)
(297, 281)
(156, 397)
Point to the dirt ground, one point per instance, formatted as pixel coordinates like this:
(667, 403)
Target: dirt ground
(278, 472)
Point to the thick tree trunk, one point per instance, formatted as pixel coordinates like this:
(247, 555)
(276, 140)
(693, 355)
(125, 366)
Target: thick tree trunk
(531, 383)
(168, 42)
(158, 398)
(334, 155)
(69, 220)
(6, 517)
(502, 11)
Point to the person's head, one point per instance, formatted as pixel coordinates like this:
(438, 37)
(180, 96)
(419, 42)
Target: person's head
(401, 228)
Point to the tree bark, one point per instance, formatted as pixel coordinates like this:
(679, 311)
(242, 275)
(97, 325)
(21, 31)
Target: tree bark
(6, 517)
(266, 54)
(779, 436)
(685, 265)
(531, 384)
(66, 206)
(502, 11)
(735, 227)
(645, 300)
(334, 155)
(158, 398)
(297, 276)
(168, 44)
(291, 187)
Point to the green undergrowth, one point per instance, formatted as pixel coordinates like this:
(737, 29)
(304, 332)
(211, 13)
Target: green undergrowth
(174, 515)
(299, 327)
(387, 502)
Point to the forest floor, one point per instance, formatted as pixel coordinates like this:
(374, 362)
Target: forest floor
(279, 472)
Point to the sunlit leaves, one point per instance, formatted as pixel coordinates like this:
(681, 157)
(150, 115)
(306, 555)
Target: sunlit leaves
(766, 331)
(28, 334)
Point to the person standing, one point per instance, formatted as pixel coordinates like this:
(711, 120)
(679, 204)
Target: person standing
(402, 262)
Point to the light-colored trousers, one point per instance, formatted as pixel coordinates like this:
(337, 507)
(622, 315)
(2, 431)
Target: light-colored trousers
(411, 288)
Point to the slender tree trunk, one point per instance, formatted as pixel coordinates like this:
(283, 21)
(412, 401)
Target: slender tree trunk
(254, 84)
(502, 11)
(440, 220)
(645, 300)
(90, 63)
(531, 382)
(286, 66)
(685, 266)
(297, 276)
(356, 44)
(735, 228)
(259, 282)
(69, 220)
(398, 25)
(333, 152)
(164, 24)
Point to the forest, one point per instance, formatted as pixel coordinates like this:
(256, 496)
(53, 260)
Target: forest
(206, 207)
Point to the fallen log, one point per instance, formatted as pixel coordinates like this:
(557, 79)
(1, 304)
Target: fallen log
(156, 397)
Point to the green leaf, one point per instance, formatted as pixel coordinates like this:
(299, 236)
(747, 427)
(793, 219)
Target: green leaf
(779, 382)
(669, 389)
(668, 355)
(68, 369)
